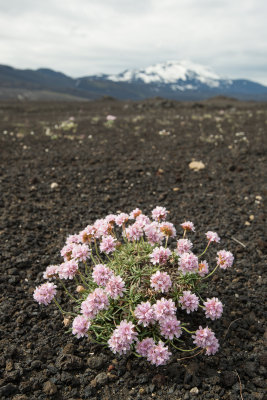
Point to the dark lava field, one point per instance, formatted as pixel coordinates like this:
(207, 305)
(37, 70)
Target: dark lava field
(62, 166)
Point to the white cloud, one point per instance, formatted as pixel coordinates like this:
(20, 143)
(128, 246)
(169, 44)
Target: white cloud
(82, 37)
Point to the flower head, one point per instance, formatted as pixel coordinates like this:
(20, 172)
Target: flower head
(168, 229)
(144, 312)
(188, 262)
(203, 268)
(68, 269)
(50, 272)
(87, 235)
(108, 244)
(121, 219)
(101, 274)
(189, 301)
(188, 226)
(161, 282)
(143, 347)
(135, 213)
(45, 293)
(213, 308)
(184, 246)
(80, 252)
(164, 308)
(225, 259)
(212, 237)
(158, 354)
(159, 213)
(122, 338)
(66, 251)
(153, 233)
(134, 232)
(115, 287)
(95, 302)
(80, 326)
(170, 327)
(205, 338)
(160, 255)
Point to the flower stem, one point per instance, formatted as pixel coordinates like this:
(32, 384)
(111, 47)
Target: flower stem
(212, 272)
(66, 290)
(59, 307)
(205, 250)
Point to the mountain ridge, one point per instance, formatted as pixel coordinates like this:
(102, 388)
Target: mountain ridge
(175, 80)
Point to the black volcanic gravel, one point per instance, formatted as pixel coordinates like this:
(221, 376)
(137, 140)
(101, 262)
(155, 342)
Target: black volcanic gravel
(98, 168)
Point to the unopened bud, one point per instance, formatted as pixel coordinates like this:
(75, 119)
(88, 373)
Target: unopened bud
(80, 289)
(66, 321)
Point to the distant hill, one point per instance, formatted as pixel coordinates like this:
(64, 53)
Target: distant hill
(173, 80)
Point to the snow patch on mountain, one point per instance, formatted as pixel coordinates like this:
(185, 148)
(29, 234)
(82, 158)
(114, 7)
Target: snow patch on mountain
(171, 72)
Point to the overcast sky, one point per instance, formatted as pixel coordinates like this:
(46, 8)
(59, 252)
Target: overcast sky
(84, 37)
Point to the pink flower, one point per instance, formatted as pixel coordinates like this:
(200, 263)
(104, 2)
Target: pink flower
(164, 308)
(144, 346)
(101, 274)
(115, 287)
(66, 252)
(188, 226)
(142, 220)
(80, 252)
(161, 282)
(160, 255)
(95, 302)
(205, 338)
(168, 229)
(144, 312)
(121, 219)
(111, 219)
(73, 239)
(225, 259)
(135, 213)
(108, 244)
(188, 262)
(184, 246)
(50, 272)
(153, 233)
(111, 117)
(213, 308)
(122, 338)
(45, 293)
(102, 228)
(159, 213)
(189, 301)
(212, 237)
(170, 327)
(158, 354)
(80, 326)
(134, 232)
(203, 268)
(87, 235)
(68, 269)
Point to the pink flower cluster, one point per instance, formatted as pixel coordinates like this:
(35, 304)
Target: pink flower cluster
(50, 272)
(68, 269)
(134, 232)
(159, 213)
(144, 312)
(213, 308)
(115, 287)
(189, 301)
(161, 282)
(188, 262)
(101, 274)
(80, 252)
(157, 354)
(153, 233)
(122, 338)
(212, 237)
(108, 244)
(184, 246)
(225, 259)
(170, 327)
(160, 255)
(164, 308)
(45, 293)
(168, 229)
(80, 326)
(203, 268)
(188, 226)
(95, 302)
(205, 338)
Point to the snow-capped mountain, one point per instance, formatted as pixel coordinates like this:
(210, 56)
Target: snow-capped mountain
(182, 80)
(170, 72)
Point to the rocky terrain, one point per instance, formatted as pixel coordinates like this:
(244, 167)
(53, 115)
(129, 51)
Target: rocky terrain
(62, 166)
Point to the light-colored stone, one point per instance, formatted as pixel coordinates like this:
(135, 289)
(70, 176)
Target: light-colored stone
(196, 165)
